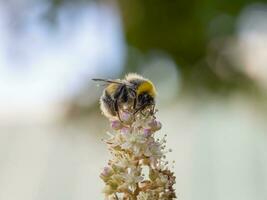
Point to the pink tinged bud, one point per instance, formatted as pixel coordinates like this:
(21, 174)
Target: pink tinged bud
(125, 130)
(152, 123)
(155, 125)
(147, 132)
(106, 171)
(116, 124)
(158, 126)
(126, 117)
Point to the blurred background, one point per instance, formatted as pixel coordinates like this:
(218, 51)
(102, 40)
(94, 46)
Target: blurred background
(208, 60)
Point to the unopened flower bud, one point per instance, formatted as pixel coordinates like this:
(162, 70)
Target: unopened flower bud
(125, 130)
(126, 117)
(116, 124)
(155, 125)
(147, 132)
(106, 171)
(158, 127)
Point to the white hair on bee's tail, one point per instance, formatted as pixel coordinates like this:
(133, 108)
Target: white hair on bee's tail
(105, 110)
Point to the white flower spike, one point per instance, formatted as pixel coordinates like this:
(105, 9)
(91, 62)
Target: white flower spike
(138, 169)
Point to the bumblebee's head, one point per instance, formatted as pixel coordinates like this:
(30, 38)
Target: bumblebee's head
(144, 88)
(145, 94)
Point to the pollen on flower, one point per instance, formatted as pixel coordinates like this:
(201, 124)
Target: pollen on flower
(138, 169)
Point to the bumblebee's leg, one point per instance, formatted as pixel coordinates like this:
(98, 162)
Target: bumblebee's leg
(141, 111)
(116, 107)
(117, 96)
(134, 104)
(140, 108)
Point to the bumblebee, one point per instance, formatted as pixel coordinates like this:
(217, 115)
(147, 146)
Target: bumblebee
(134, 92)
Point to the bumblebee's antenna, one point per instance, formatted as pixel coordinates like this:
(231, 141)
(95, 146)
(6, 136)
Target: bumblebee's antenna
(106, 80)
(109, 81)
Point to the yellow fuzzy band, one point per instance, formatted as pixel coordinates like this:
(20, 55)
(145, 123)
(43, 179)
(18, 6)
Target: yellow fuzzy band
(148, 87)
(111, 88)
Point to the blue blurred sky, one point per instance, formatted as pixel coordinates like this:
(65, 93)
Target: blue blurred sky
(43, 64)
